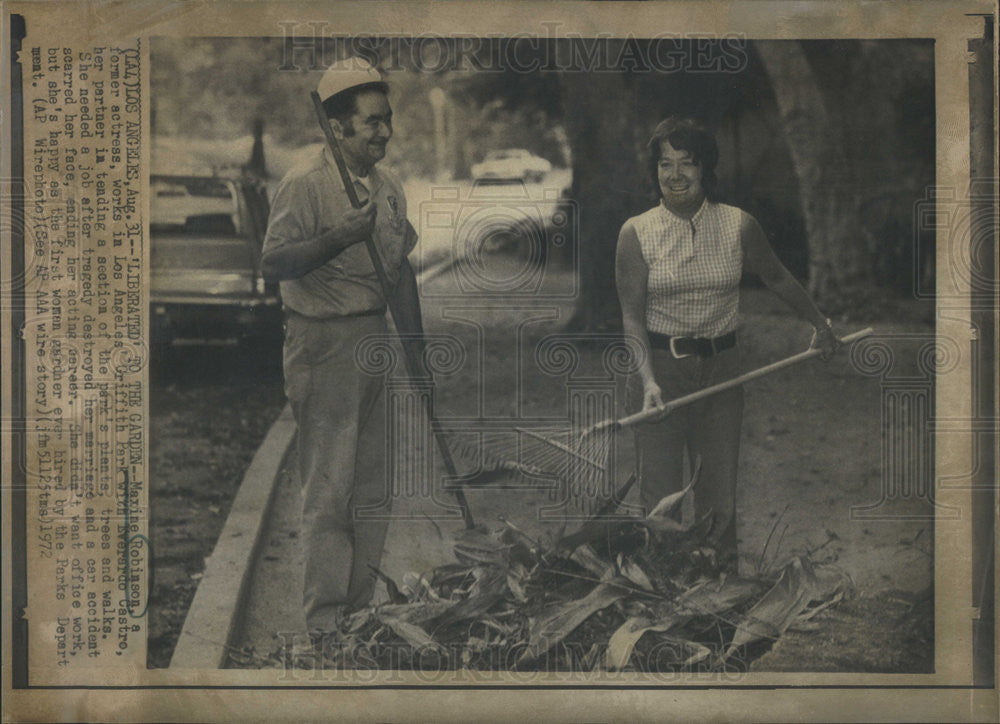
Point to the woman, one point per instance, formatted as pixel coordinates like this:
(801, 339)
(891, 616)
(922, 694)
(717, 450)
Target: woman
(678, 270)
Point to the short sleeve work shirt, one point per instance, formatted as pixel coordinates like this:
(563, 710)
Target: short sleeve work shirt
(308, 202)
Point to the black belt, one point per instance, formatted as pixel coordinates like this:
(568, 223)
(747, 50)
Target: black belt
(380, 312)
(688, 346)
(366, 313)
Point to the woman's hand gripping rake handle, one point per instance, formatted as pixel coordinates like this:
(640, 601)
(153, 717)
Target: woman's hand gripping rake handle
(413, 368)
(658, 412)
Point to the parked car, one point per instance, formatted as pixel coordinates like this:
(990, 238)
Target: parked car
(511, 164)
(206, 234)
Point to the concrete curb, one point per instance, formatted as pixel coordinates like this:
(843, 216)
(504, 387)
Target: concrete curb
(218, 604)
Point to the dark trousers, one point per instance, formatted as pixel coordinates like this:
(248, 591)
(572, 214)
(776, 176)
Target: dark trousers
(709, 428)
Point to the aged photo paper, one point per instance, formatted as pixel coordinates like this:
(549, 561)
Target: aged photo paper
(190, 404)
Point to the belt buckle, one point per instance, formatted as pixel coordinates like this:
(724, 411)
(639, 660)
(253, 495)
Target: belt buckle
(673, 349)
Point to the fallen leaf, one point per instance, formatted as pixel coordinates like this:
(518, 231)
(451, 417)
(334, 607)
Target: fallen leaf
(417, 588)
(411, 633)
(631, 570)
(489, 587)
(711, 599)
(586, 557)
(418, 612)
(558, 621)
(623, 641)
(799, 585)
(356, 621)
(395, 595)
(475, 546)
(699, 652)
(668, 503)
(515, 578)
(667, 525)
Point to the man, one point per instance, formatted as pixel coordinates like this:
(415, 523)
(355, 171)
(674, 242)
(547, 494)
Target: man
(332, 299)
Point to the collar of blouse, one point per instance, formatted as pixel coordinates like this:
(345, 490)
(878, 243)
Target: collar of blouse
(676, 219)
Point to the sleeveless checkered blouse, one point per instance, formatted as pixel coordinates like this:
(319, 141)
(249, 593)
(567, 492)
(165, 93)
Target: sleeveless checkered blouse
(693, 288)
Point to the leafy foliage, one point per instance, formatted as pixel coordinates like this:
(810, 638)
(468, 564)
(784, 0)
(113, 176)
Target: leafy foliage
(511, 602)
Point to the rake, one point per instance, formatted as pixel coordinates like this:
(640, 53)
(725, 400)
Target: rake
(577, 456)
(668, 407)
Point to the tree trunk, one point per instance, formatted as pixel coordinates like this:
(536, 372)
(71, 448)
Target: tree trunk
(839, 268)
(600, 127)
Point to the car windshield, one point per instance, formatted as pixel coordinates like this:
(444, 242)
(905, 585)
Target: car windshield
(193, 207)
(503, 155)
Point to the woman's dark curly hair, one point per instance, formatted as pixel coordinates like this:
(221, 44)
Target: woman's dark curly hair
(685, 134)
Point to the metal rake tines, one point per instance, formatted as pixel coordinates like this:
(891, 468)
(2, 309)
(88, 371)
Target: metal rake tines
(571, 465)
(579, 463)
(556, 444)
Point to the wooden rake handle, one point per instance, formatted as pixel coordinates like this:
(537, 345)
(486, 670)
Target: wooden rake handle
(657, 412)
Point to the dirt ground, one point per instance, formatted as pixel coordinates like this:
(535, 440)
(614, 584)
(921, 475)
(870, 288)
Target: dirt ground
(210, 408)
(811, 451)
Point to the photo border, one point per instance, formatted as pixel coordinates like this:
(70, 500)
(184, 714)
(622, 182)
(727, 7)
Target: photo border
(952, 25)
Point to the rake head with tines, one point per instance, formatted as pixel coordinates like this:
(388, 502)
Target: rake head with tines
(573, 467)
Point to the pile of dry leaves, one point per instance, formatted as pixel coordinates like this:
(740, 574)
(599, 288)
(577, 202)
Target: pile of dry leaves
(618, 594)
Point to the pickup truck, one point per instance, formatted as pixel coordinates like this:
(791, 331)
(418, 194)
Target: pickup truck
(206, 234)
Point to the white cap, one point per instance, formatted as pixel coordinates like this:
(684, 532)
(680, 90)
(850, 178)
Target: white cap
(346, 74)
